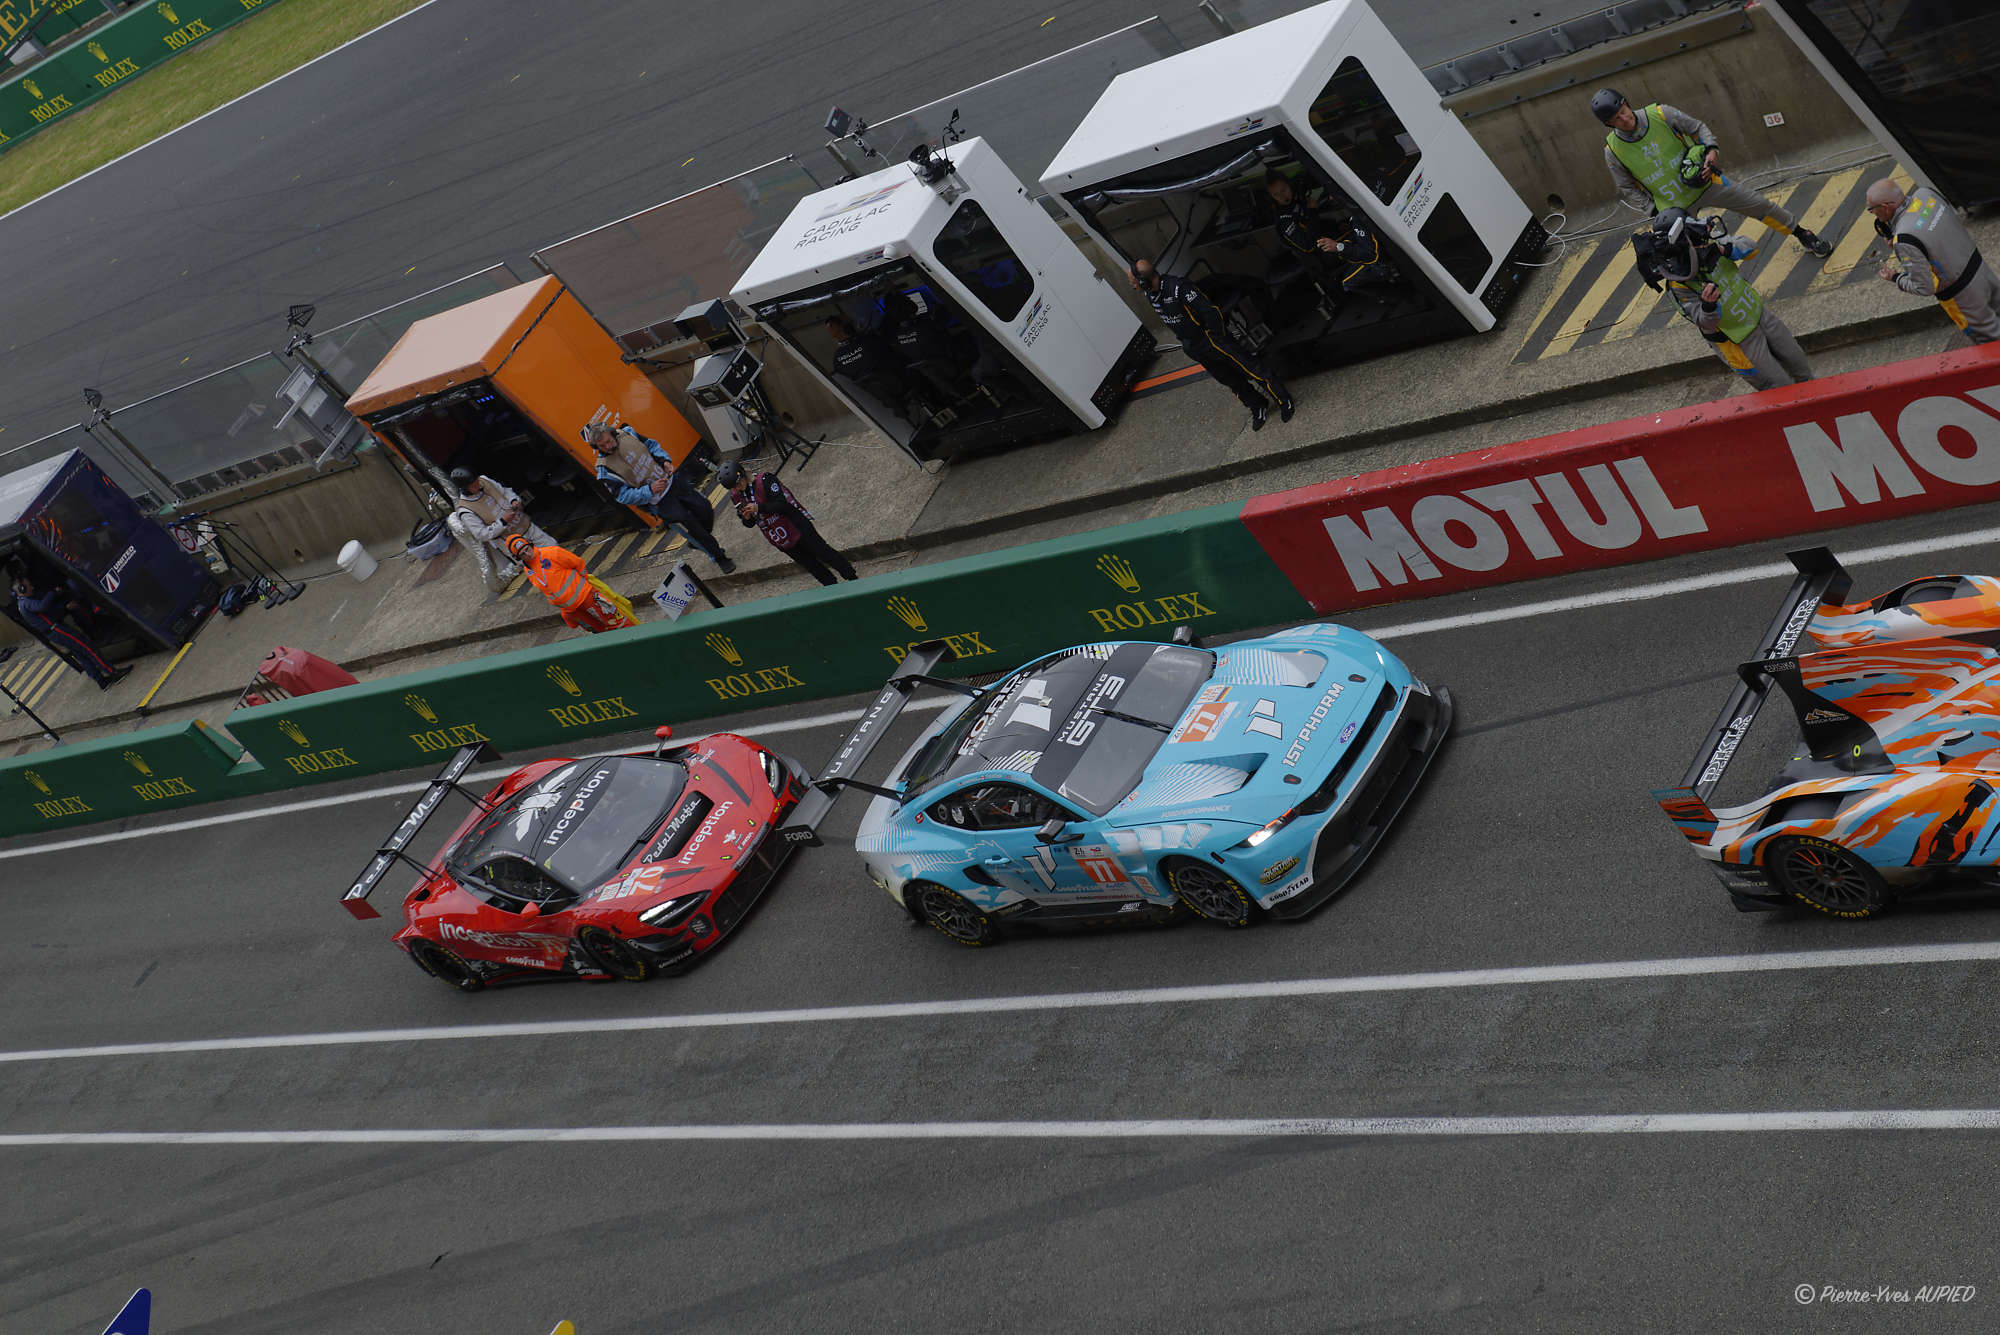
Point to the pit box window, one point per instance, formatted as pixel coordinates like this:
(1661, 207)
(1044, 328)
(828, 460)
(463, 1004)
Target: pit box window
(1448, 236)
(1354, 120)
(972, 250)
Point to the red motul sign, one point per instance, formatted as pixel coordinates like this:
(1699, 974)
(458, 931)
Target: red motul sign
(1894, 440)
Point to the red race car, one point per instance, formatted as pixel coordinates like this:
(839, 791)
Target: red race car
(619, 867)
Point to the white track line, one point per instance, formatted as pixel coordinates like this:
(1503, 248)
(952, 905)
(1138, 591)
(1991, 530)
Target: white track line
(1606, 598)
(1668, 588)
(218, 110)
(1880, 1119)
(1876, 957)
(405, 789)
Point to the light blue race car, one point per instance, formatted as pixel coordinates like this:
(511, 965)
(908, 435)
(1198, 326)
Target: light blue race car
(1132, 781)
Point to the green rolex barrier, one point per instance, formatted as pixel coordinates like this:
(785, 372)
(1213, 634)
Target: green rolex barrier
(1140, 581)
(119, 776)
(128, 45)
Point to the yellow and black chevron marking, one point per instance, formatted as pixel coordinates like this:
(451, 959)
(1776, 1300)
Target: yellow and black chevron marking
(633, 547)
(1597, 296)
(30, 676)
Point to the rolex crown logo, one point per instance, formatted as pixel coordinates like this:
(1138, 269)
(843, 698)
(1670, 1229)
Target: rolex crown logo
(36, 779)
(421, 707)
(167, 13)
(97, 50)
(34, 89)
(1118, 571)
(559, 674)
(138, 762)
(293, 731)
(725, 648)
(907, 612)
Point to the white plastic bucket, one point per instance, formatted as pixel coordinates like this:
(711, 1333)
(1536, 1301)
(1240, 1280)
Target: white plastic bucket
(356, 561)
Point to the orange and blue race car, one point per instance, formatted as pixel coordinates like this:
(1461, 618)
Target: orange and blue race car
(1898, 704)
(619, 866)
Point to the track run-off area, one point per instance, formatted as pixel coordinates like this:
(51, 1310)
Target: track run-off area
(1530, 1071)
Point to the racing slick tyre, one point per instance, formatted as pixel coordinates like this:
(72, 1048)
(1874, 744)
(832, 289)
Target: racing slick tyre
(1822, 875)
(1211, 893)
(952, 914)
(613, 956)
(447, 966)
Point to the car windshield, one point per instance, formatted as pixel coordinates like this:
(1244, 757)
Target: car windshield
(581, 822)
(1084, 722)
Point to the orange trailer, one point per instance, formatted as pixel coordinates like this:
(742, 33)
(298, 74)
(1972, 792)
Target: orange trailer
(503, 386)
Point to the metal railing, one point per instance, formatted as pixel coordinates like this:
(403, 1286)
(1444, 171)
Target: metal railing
(639, 272)
(1027, 114)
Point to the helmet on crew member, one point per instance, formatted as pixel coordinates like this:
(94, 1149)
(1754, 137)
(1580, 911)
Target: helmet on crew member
(518, 547)
(465, 480)
(1604, 104)
(729, 474)
(1693, 169)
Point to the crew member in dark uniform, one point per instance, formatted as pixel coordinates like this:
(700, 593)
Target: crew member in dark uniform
(41, 607)
(863, 356)
(1194, 319)
(935, 351)
(1347, 255)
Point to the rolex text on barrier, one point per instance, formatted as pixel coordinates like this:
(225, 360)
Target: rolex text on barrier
(1138, 581)
(141, 37)
(1892, 440)
(117, 776)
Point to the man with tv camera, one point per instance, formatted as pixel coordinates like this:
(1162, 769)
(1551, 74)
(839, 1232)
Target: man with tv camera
(1689, 258)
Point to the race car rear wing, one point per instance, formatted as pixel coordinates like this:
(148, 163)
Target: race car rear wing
(355, 901)
(1821, 578)
(803, 825)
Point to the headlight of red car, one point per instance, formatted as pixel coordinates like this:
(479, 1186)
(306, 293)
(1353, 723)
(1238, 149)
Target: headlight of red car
(672, 911)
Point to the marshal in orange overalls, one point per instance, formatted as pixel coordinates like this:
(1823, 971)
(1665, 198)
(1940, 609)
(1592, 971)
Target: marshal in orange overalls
(583, 600)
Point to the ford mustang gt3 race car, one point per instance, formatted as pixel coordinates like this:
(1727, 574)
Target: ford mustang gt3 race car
(1898, 703)
(1128, 781)
(617, 867)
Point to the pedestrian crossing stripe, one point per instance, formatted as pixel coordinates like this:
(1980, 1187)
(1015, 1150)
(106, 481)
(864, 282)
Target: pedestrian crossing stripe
(31, 676)
(1596, 295)
(614, 554)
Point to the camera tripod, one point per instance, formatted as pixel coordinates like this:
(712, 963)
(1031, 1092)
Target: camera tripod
(241, 556)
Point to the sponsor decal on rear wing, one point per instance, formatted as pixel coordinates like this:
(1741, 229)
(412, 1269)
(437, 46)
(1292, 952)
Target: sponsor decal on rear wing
(1821, 578)
(888, 705)
(355, 901)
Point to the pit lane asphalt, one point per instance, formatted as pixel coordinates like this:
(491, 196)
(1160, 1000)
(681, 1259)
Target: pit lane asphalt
(1533, 842)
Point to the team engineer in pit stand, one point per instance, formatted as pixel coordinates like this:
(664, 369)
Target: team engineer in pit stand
(1934, 256)
(869, 360)
(639, 473)
(1662, 158)
(1347, 257)
(762, 500)
(41, 610)
(584, 600)
(1690, 257)
(1194, 319)
(485, 515)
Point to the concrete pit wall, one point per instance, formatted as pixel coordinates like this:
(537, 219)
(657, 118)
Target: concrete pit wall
(1729, 69)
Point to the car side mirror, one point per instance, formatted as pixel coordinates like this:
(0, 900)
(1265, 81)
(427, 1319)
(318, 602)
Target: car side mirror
(530, 910)
(662, 733)
(1057, 832)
